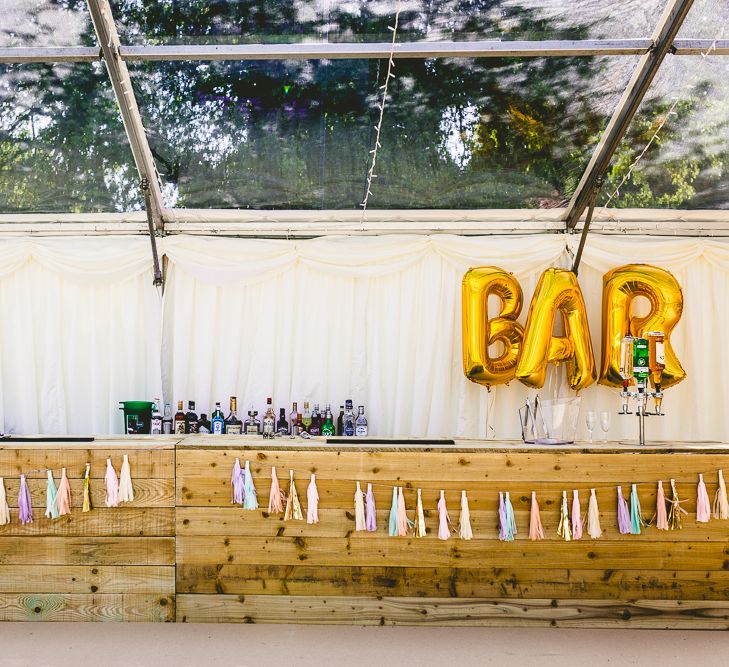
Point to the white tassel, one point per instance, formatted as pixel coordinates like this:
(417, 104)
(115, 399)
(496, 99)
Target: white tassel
(419, 517)
(464, 523)
(112, 485)
(4, 509)
(359, 509)
(593, 517)
(126, 489)
(721, 503)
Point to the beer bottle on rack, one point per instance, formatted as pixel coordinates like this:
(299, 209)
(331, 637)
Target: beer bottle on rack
(179, 422)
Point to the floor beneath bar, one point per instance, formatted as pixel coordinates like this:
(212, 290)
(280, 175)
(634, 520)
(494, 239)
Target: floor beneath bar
(192, 645)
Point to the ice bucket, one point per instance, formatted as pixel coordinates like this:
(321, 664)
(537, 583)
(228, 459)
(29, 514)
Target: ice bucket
(550, 422)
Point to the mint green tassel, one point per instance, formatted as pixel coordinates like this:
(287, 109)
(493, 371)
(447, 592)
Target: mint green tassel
(636, 520)
(51, 504)
(510, 519)
(250, 501)
(393, 513)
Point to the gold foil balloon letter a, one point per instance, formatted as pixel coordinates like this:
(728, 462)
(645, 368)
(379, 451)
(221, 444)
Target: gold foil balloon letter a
(620, 287)
(479, 331)
(557, 291)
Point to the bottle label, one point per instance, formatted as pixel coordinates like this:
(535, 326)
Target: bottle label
(268, 426)
(192, 427)
(252, 429)
(156, 428)
(217, 427)
(348, 429)
(233, 429)
(660, 354)
(361, 431)
(180, 426)
(167, 428)
(203, 429)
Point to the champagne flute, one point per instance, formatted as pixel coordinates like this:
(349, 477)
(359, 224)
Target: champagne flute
(604, 424)
(590, 422)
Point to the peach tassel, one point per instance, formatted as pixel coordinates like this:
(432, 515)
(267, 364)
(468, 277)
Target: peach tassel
(63, 496)
(594, 530)
(112, 485)
(444, 532)
(703, 505)
(721, 503)
(465, 532)
(360, 520)
(536, 530)
(576, 516)
(312, 501)
(661, 511)
(276, 497)
(403, 523)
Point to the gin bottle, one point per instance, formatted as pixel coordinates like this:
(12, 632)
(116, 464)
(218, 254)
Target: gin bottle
(348, 419)
(217, 421)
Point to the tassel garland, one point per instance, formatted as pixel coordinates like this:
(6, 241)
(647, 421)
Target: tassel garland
(393, 514)
(51, 502)
(507, 523)
(237, 484)
(112, 485)
(4, 509)
(250, 497)
(564, 520)
(636, 520)
(293, 506)
(444, 531)
(675, 511)
(536, 530)
(63, 495)
(721, 503)
(623, 514)
(312, 500)
(25, 505)
(126, 488)
(465, 532)
(594, 530)
(576, 516)
(661, 513)
(403, 523)
(370, 510)
(276, 496)
(703, 506)
(360, 522)
(87, 505)
(419, 517)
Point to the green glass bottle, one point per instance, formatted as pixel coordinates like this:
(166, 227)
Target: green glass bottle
(328, 428)
(640, 361)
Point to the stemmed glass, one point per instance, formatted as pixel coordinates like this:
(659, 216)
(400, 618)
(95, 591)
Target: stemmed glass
(591, 422)
(605, 424)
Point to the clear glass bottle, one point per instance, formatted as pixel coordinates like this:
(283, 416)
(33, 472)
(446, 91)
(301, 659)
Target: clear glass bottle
(252, 426)
(179, 419)
(348, 418)
(155, 427)
(306, 417)
(233, 425)
(328, 427)
(295, 419)
(217, 422)
(315, 426)
(269, 420)
(282, 426)
(167, 420)
(191, 418)
(360, 426)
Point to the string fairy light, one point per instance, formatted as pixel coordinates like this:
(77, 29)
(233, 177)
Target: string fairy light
(378, 127)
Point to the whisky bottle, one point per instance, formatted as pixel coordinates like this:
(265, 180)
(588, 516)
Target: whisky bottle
(348, 418)
(299, 424)
(360, 426)
(295, 420)
(269, 420)
(203, 426)
(179, 419)
(306, 417)
(233, 425)
(328, 428)
(167, 420)
(217, 421)
(340, 421)
(156, 423)
(315, 426)
(282, 426)
(191, 418)
(251, 425)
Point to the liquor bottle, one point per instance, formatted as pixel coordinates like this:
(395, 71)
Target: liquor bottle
(299, 424)
(203, 426)
(656, 357)
(340, 421)
(315, 426)
(233, 425)
(360, 426)
(252, 426)
(191, 418)
(179, 419)
(640, 362)
(217, 423)
(626, 360)
(306, 417)
(348, 418)
(156, 423)
(295, 420)
(167, 420)
(269, 420)
(282, 426)
(328, 428)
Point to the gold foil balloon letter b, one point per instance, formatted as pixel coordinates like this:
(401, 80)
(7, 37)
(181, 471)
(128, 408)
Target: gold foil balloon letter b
(557, 292)
(479, 331)
(620, 287)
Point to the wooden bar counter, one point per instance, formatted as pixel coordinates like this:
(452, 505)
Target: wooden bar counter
(205, 560)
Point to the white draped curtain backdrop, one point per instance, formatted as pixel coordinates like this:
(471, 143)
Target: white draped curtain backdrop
(374, 318)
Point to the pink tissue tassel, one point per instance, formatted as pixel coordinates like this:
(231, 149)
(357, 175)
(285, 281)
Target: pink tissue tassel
(63, 495)
(444, 531)
(536, 530)
(721, 502)
(312, 501)
(402, 515)
(661, 512)
(576, 516)
(275, 498)
(112, 485)
(703, 505)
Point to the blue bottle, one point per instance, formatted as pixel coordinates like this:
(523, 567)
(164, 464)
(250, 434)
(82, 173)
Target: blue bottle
(217, 421)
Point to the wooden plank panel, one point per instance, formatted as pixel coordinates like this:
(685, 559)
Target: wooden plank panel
(234, 521)
(456, 612)
(407, 551)
(144, 463)
(87, 551)
(147, 493)
(465, 467)
(56, 607)
(105, 522)
(115, 442)
(103, 579)
(452, 582)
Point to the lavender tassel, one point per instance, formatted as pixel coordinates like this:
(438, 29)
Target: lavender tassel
(623, 514)
(507, 523)
(250, 501)
(237, 483)
(51, 504)
(25, 506)
(371, 520)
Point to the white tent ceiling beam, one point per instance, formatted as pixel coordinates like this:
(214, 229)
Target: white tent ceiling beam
(316, 50)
